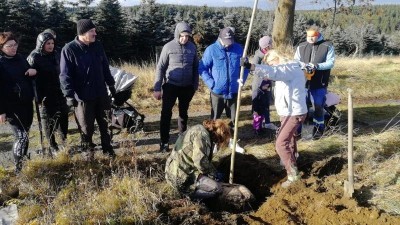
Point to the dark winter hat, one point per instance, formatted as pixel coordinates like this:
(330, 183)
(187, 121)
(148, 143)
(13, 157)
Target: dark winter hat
(84, 25)
(227, 36)
(264, 42)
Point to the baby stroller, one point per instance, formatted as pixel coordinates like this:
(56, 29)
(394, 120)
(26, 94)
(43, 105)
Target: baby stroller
(123, 114)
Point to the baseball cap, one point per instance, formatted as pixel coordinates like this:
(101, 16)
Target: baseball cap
(227, 36)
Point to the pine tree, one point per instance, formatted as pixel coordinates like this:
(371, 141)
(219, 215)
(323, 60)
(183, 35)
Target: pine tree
(25, 19)
(145, 30)
(82, 10)
(299, 29)
(56, 18)
(110, 23)
(4, 11)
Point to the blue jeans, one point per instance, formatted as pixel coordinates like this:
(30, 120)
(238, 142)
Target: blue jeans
(319, 96)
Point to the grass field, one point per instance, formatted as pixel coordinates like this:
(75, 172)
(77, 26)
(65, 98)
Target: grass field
(131, 189)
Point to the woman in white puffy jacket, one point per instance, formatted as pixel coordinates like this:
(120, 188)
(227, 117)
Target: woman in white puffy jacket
(290, 104)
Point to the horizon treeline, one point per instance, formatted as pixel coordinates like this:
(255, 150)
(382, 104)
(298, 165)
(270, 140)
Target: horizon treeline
(136, 34)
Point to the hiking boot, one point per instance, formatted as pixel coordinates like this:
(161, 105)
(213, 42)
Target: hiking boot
(270, 126)
(292, 177)
(238, 148)
(110, 153)
(89, 155)
(53, 152)
(317, 133)
(164, 147)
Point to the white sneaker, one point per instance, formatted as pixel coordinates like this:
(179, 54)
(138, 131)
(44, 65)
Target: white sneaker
(270, 126)
(238, 148)
(290, 180)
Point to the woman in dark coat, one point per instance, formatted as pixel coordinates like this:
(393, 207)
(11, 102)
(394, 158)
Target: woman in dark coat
(54, 111)
(16, 95)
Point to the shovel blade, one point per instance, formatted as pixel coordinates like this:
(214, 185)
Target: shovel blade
(348, 189)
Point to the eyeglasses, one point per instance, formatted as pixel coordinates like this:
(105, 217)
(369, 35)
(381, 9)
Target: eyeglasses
(11, 46)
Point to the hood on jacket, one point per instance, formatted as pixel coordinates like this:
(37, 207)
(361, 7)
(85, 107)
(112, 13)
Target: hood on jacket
(182, 27)
(320, 38)
(41, 40)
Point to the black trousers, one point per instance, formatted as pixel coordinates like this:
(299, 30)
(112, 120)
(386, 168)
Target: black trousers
(20, 117)
(89, 111)
(170, 94)
(219, 104)
(55, 118)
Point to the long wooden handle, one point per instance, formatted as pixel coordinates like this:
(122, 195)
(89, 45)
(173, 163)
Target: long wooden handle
(231, 172)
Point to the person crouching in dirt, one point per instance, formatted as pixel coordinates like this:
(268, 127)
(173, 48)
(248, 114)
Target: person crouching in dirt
(46, 60)
(189, 168)
(290, 104)
(16, 95)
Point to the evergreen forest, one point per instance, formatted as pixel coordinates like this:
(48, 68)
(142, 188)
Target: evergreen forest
(137, 34)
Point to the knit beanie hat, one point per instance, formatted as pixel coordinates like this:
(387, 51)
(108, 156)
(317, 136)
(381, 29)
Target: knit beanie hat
(84, 25)
(265, 41)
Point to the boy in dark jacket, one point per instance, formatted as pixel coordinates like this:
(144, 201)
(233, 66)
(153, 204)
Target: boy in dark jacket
(54, 111)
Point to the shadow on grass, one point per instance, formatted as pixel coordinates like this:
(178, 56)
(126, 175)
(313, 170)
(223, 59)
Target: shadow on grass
(372, 119)
(6, 142)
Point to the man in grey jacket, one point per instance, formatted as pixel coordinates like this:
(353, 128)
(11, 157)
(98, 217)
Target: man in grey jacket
(178, 78)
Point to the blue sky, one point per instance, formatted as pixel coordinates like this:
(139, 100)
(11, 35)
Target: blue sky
(264, 4)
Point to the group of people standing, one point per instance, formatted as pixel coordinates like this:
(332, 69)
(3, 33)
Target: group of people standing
(188, 166)
(79, 78)
(74, 79)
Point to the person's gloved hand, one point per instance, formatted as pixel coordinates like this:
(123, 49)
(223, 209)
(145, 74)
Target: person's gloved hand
(240, 82)
(244, 61)
(219, 176)
(112, 90)
(71, 102)
(310, 68)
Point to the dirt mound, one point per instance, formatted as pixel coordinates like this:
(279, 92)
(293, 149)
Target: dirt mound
(317, 199)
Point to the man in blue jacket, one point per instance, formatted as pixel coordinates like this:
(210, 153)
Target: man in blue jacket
(84, 77)
(220, 70)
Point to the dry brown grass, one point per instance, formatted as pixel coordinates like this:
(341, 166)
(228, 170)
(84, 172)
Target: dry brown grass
(142, 92)
(70, 190)
(373, 79)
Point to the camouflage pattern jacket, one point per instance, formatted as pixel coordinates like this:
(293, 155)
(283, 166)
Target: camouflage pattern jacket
(190, 157)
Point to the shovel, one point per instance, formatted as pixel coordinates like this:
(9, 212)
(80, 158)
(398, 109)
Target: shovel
(349, 185)
(246, 46)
